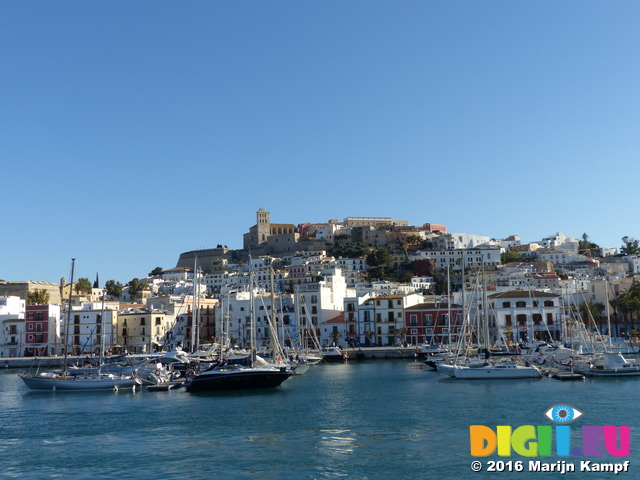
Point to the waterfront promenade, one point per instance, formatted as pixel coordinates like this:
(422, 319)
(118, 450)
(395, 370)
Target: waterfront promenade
(363, 353)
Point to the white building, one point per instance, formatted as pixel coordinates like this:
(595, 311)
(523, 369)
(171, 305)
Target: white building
(525, 316)
(561, 241)
(451, 241)
(474, 257)
(12, 326)
(90, 327)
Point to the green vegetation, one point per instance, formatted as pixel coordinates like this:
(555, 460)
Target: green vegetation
(83, 286)
(114, 289)
(630, 246)
(585, 245)
(628, 305)
(511, 257)
(39, 297)
(135, 287)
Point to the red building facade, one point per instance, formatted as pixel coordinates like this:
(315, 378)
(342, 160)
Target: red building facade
(37, 336)
(428, 323)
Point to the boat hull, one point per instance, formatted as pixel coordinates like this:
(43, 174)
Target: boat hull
(78, 383)
(237, 379)
(486, 373)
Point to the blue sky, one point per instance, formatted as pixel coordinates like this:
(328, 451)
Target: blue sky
(133, 131)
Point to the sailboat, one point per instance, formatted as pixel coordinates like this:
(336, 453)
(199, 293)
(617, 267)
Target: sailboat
(256, 375)
(487, 370)
(65, 381)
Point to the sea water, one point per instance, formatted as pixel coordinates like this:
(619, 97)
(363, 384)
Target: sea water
(386, 419)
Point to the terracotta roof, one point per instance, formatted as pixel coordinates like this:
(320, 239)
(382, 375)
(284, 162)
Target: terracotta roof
(339, 319)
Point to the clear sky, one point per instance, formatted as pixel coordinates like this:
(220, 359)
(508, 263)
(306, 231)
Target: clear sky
(133, 131)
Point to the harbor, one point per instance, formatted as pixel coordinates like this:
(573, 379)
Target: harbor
(367, 419)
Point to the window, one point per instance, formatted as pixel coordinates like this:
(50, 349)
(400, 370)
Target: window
(143, 321)
(413, 320)
(521, 304)
(548, 303)
(506, 304)
(428, 319)
(549, 318)
(507, 321)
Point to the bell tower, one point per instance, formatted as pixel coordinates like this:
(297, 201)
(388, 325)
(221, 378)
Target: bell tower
(263, 222)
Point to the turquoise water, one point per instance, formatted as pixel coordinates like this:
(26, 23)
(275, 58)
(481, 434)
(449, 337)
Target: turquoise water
(365, 420)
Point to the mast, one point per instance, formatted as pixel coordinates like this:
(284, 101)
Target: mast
(252, 319)
(102, 332)
(449, 306)
(275, 343)
(66, 327)
(194, 305)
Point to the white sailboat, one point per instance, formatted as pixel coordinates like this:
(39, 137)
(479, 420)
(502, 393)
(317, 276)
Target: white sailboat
(487, 370)
(64, 381)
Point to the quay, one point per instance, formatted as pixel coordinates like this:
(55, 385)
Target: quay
(361, 353)
(26, 362)
(380, 353)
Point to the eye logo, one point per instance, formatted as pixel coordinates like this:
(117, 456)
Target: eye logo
(563, 414)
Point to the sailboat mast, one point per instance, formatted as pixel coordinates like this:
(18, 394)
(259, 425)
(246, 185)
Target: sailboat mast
(274, 324)
(66, 326)
(102, 332)
(194, 305)
(252, 318)
(449, 305)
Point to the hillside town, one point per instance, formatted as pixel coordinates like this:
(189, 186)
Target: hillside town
(361, 282)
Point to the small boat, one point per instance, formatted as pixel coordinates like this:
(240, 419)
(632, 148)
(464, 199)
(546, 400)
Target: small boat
(332, 355)
(610, 365)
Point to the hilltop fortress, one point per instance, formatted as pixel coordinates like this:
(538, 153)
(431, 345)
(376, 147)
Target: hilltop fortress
(285, 239)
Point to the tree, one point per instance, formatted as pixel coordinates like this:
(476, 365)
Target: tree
(156, 271)
(629, 303)
(83, 285)
(39, 297)
(630, 246)
(585, 245)
(135, 287)
(509, 257)
(114, 289)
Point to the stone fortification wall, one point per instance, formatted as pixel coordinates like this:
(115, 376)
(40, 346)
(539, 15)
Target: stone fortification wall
(22, 290)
